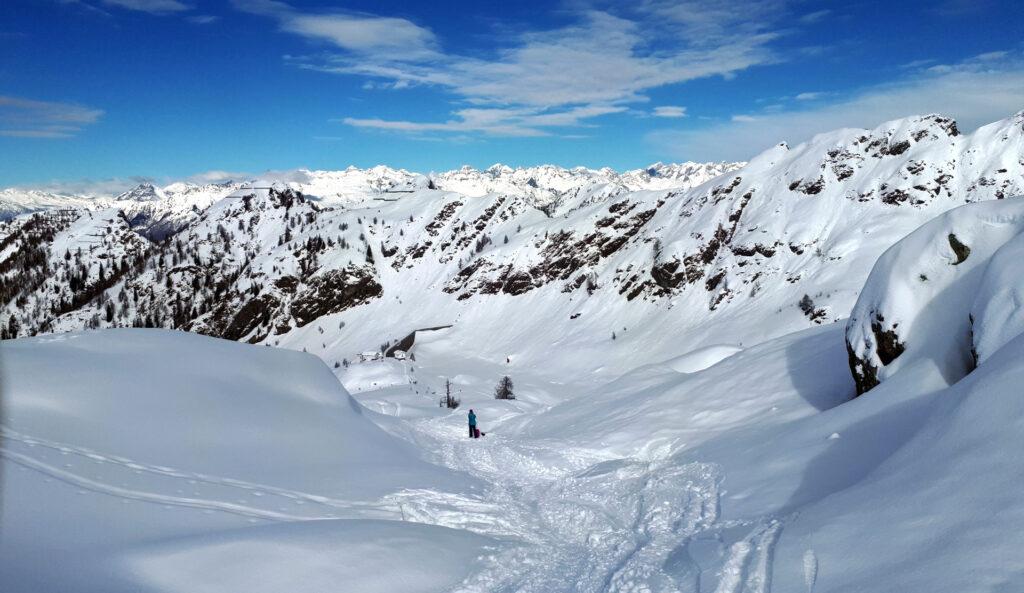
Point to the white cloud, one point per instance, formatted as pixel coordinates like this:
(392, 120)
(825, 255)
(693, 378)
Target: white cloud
(150, 6)
(813, 17)
(670, 111)
(743, 118)
(28, 118)
(522, 122)
(395, 37)
(809, 96)
(113, 186)
(217, 176)
(204, 19)
(383, 38)
(713, 22)
(536, 78)
(87, 187)
(975, 92)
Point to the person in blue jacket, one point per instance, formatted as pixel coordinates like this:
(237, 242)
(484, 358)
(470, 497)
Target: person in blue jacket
(472, 425)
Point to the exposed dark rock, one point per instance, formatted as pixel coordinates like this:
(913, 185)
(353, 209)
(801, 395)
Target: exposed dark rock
(712, 283)
(887, 342)
(887, 347)
(962, 251)
(442, 217)
(895, 197)
(810, 188)
(335, 291)
(898, 148)
(667, 274)
(865, 375)
(722, 191)
(842, 171)
(287, 284)
(255, 313)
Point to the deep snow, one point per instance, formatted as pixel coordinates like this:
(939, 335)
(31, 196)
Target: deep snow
(657, 444)
(253, 472)
(156, 460)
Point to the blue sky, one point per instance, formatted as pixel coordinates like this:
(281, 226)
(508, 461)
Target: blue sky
(95, 94)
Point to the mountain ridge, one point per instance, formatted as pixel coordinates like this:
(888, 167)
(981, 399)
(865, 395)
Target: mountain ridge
(788, 238)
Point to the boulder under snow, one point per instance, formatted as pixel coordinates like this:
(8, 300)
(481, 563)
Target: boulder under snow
(947, 293)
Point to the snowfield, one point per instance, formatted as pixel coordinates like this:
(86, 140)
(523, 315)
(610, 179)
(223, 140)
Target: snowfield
(802, 375)
(155, 460)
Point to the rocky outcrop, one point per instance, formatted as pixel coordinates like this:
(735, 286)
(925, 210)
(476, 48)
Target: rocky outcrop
(335, 291)
(927, 297)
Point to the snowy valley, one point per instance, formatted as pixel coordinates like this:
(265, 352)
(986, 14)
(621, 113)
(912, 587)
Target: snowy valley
(796, 374)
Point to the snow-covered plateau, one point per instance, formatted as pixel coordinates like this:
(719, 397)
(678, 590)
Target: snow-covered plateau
(798, 374)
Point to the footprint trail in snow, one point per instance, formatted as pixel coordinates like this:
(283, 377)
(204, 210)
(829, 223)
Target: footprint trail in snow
(581, 522)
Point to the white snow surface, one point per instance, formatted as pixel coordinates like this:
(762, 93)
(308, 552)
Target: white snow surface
(148, 460)
(175, 203)
(703, 438)
(939, 304)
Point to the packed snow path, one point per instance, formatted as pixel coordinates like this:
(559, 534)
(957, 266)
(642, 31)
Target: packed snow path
(582, 522)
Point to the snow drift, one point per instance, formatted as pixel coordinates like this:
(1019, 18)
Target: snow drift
(160, 460)
(946, 293)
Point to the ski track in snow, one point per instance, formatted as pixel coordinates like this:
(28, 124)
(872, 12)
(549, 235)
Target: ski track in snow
(288, 505)
(582, 522)
(575, 520)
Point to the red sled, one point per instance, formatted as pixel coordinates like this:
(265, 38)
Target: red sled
(478, 433)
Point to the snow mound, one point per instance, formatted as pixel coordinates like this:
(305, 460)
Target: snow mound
(702, 358)
(216, 407)
(943, 512)
(165, 447)
(998, 311)
(918, 300)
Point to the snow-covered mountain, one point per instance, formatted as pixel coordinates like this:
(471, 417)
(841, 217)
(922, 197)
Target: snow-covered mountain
(779, 244)
(15, 202)
(186, 463)
(161, 211)
(687, 414)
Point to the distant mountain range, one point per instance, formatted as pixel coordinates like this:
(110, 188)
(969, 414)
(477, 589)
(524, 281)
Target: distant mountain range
(716, 252)
(159, 211)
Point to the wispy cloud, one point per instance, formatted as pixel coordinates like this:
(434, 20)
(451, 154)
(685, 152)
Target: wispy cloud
(536, 80)
(86, 187)
(809, 96)
(976, 91)
(813, 17)
(380, 38)
(158, 7)
(494, 121)
(217, 176)
(28, 118)
(203, 19)
(670, 111)
(112, 186)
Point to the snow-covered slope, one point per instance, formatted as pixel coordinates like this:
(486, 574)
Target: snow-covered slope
(685, 415)
(157, 461)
